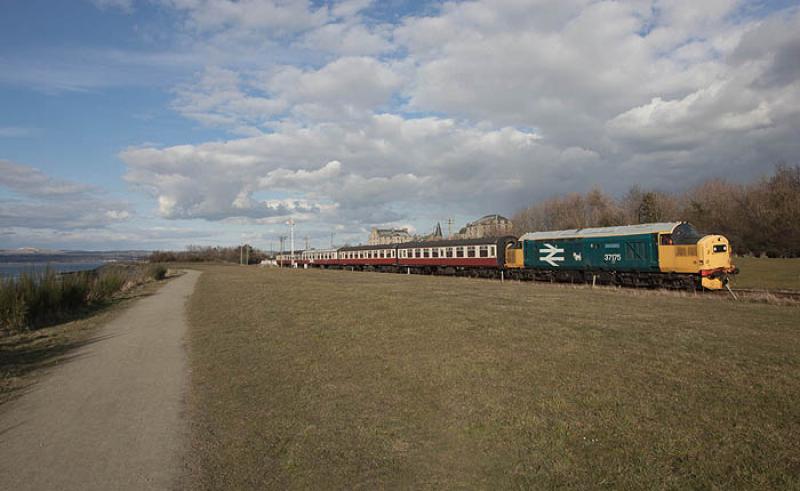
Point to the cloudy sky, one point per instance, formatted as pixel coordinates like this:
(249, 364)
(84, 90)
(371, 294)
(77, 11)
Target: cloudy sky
(162, 123)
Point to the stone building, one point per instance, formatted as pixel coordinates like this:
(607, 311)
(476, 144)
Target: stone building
(488, 226)
(388, 236)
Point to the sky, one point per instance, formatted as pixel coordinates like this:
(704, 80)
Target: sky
(155, 124)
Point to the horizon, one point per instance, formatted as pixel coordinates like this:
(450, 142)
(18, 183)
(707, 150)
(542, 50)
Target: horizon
(158, 124)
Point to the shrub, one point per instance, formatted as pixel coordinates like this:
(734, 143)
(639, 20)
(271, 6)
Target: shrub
(157, 271)
(105, 286)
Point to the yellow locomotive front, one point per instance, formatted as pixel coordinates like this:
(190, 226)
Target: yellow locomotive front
(685, 251)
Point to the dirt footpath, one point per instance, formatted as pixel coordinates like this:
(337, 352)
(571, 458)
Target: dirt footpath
(111, 417)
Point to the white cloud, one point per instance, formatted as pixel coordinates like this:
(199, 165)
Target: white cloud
(40, 201)
(17, 132)
(346, 87)
(279, 16)
(124, 5)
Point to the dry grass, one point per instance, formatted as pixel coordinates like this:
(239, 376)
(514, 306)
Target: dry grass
(767, 273)
(325, 379)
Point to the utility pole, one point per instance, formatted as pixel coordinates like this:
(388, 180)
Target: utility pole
(306, 237)
(240, 255)
(449, 227)
(282, 238)
(247, 255)
(291, 239)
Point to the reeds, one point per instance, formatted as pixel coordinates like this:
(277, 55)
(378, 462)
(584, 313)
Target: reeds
(35, 299)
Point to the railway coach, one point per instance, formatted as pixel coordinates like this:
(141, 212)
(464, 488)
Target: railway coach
(468, 257)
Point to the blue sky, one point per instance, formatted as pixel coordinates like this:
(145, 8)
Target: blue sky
(160, 123)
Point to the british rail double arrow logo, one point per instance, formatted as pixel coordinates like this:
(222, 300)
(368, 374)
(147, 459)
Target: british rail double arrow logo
(552, 258)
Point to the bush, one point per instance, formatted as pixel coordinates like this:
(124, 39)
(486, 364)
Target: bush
(105, 286)
(157, 271)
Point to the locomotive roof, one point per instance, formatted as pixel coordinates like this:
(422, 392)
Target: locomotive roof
(577, 233)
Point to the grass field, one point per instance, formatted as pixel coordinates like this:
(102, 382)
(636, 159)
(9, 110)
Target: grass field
(326, 379)
(767, 274)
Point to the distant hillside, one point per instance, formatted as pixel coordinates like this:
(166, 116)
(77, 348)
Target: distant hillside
(32, 255)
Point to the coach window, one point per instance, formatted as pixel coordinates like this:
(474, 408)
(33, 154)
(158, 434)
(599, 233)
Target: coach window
(492, 251)
(426, 252)
(449, 252)
(471, 251)
(435, 253)
(484, 251)
(459, 252)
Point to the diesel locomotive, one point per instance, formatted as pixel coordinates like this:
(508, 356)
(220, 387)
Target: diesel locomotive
(653, 255)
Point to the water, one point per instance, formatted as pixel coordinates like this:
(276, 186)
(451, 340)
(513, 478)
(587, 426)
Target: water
(14, 269)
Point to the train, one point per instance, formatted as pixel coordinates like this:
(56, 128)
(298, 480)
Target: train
(652, 255)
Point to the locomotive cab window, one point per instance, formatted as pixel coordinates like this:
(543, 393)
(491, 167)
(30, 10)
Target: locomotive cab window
(666, 239)
(685, 234)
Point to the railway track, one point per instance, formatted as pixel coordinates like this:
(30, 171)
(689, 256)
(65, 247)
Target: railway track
(792, 294)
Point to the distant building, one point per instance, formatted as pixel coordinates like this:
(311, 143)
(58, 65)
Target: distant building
(435, 235)
(488, 226)
(388, 236)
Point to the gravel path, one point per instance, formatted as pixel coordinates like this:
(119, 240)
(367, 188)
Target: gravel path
(112, 417)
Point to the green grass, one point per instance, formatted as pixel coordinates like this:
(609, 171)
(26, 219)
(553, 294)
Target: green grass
(326, 379)
(767, 273)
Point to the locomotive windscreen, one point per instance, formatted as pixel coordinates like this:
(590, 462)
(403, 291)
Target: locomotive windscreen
(685, 234)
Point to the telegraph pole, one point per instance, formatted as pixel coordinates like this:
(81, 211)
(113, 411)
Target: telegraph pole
(291, 238)
(282, 238)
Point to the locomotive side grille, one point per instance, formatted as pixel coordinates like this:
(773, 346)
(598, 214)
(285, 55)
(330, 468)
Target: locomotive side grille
(684, 251)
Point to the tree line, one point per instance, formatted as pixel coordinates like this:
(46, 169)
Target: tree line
(759, 218)
(194, 253)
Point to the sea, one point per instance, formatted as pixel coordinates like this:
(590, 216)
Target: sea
(15, 269)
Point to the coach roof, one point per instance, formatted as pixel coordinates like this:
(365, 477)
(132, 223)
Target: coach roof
(578, 233)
